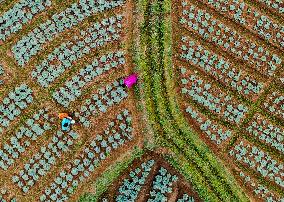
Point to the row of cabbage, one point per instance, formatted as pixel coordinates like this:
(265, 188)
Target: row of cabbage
(100, 102)
(251, 18)
(266, 132)
(100, 33)
(216, 132)
(73, 87)
(132, 185)
(186, 198)
(212, 97)
(13, 104)
(6, 196)
(274, 104)
(258, 160)
(276, 6)
(162, 185)
(1, 73)
(282, 80)
(220, 68)
(117, 134)
(259, 190)
(211, 29)
(27, 133)
(43, 161)
(20, 14)
(33, 42)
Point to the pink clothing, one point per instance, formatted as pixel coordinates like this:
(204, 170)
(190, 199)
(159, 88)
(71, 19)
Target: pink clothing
(130, 80)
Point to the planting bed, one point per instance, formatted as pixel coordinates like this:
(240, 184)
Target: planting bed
(274, 104)
(251, 18)
(276, 7)
(258, 160)
(220, 69)
(267, 132)
(21, 13)
(210, 96)
(217, 133)
(150, 178)
(32, 43)
(5, 195)
(24, 136)
(98, 149)
(106, 31)
(72, 88)
(213, 30)
(259, 191)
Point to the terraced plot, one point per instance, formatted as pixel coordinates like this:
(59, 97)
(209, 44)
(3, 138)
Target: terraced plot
(150, 178)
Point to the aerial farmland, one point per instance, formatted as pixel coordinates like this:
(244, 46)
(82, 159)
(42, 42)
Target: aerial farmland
(142, 100)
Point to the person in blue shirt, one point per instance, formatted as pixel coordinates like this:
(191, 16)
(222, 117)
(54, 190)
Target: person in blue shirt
(66, 122)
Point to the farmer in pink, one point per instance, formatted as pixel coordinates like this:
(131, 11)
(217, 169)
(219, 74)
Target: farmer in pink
(130, 80)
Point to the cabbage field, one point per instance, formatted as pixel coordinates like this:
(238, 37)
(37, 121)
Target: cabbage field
(228, 58)
(64, 56)
(204, 122)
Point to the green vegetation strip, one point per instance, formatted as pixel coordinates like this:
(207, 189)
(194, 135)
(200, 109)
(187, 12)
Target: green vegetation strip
(169, 122)
(108, 177)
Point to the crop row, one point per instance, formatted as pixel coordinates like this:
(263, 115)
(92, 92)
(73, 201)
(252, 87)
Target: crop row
(274, 104)
(12, 104)
(151, 179)
(228, 39)
(1, 73)
(250, 18)
(213, 98)
(42, 161)
(259, 190)
(106, 31)
(162, 185)
(258, 160)
(131, 186)
(32, 43)
(220, 68)
(6, 196)
(105, 98)
(276, 6)
(21, 13)
(186, 198)
(267, 132)
(72, 89)
(281, 79)
(216, 132)
(118, 133)
(27, 133)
